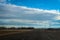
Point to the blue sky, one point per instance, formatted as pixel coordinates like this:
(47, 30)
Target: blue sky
(44, 4)
(30, 13)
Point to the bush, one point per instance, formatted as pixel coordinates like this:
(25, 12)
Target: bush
(2, 28)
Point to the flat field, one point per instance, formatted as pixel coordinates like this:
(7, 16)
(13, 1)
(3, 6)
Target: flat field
(36, 34)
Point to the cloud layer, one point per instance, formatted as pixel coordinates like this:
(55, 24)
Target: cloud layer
(8, 10)
(22, 15)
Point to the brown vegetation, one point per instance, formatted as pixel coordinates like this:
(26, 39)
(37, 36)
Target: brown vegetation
(35, 34)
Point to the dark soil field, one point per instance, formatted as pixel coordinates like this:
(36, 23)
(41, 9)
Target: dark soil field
(33, 35)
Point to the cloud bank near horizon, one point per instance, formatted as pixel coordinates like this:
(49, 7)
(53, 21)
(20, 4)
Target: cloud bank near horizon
(23, 15)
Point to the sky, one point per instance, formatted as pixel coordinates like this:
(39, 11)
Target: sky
(30, 13)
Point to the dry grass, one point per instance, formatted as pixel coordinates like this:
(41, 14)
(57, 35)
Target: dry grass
(35, 34)
(8, 32)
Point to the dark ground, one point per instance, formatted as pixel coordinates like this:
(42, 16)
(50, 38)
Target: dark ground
(33, 35)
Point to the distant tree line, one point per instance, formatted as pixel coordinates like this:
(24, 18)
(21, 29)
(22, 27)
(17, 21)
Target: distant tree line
(2, 28)
(53, 28)
(17, 28)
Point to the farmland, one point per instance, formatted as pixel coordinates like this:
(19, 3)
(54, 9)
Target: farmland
(35, 34)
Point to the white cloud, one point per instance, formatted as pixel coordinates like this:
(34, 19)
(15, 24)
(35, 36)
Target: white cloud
(23, 21)
(27, 15)
(57, 17)
(30, 22)
(28, 10)
(22, 11)
(3, 1)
